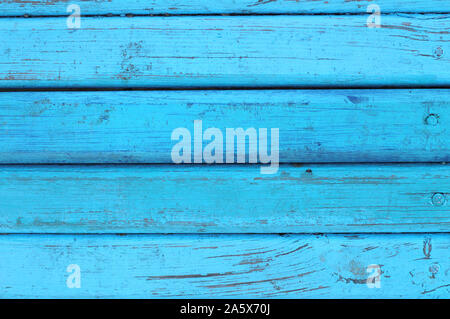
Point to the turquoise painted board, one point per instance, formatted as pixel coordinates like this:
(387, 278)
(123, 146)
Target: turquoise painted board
(95, 7)
(314, 125)
(88, 184)
(224, 199)
(236, 51)
(236, 266)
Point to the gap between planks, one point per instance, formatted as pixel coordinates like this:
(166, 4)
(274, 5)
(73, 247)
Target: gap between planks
(131, 15)
(224, 88)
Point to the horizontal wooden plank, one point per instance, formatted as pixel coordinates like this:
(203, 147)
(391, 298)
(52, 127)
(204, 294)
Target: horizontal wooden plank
(235, 51)
(224, 199)
(314, 125)
(236, 266)
(101, 7)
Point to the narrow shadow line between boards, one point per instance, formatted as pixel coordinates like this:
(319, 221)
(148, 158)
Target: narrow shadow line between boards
(221, 88)
(226, 14)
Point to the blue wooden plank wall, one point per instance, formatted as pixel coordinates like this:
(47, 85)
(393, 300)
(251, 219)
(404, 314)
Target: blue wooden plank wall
(225, 149)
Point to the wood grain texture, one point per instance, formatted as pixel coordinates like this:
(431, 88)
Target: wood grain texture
(52, 216)
(236, 51)
(96, 7)
(237, 266)
(224, 199)
(314, 125)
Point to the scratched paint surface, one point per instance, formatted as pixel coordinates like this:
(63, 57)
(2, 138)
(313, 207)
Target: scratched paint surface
(236, 51)
(224, 199)
(228, 266)
(315, 125)
(362, 141)
(103, 7)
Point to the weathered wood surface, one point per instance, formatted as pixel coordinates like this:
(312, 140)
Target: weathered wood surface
(235, 51)
(233, 266)
(314, 125)
(43, 206)
(224, 199)
(101, 7)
